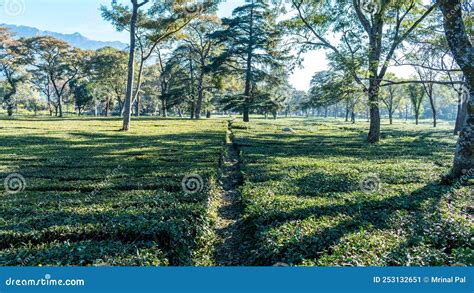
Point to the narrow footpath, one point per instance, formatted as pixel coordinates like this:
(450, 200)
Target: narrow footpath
(229, 206)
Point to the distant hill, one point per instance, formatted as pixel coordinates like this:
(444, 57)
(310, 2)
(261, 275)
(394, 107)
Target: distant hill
(76, 40)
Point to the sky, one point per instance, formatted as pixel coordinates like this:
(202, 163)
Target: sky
(83, 16)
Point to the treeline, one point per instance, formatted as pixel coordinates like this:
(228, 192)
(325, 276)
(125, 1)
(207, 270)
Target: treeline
(185, 63)
(404, 101)
(183, 59)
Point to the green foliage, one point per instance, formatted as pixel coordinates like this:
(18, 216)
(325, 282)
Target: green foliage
(107, 74)
(416, 95)
(82, 95)
(304, 204)
(95, 196)
(13, 59)
(253, 51)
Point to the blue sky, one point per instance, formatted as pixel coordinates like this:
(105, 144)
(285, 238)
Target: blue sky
(83, 16)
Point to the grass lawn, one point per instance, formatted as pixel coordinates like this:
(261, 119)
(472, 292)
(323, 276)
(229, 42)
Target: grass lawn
(323, 196)
(97, 196)
(319, 196)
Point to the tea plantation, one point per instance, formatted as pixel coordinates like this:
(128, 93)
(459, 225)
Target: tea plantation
(321, 196)
(315, 195)
(97, 196)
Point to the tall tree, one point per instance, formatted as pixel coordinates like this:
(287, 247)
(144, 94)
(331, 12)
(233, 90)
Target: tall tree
(252, 48)
(121, 19)
(428, 58)
(179, 81)
(197, 38)
(416, 94)
(57, 63)
(386, 24)
(12, 66)
(83, 96)
(391, 98)
(463, 52)
(455, 75)
(108, 65)
(148, 29)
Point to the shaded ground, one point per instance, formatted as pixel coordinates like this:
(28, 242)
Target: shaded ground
(229, 205)
(97, 196)
(323, 196)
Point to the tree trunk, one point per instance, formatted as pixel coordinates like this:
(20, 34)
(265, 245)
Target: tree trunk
(107, 106)
(463, 52)
(200, 93)
(136, 94)
(208, 114)
(50, 109)
(131, 69)
(248, 72)
(164, 110)
(347, 111)
(193, 108)
(390, 116)
(137, 106)
(246, 112)
(432, 104)
(60, 107)
(374, 131)
(462, 113)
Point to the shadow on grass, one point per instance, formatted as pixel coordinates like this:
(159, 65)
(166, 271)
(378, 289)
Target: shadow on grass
(365, 214)
(178, 228)
(265, 156)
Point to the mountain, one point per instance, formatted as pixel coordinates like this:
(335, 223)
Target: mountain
(76, 40)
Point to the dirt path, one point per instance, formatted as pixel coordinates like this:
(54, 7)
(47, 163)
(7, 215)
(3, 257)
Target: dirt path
(229, 207)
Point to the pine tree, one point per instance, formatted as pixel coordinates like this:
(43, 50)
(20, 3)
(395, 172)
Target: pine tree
(251, 40)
